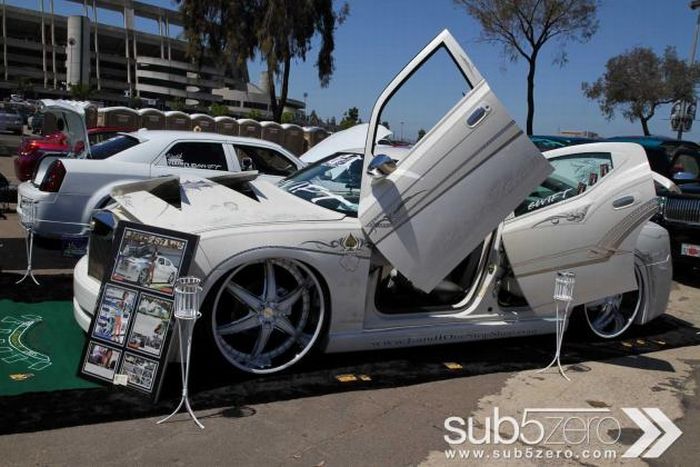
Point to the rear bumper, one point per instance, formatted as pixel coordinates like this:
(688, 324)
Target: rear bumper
(681, 233)
(58, 216)
(85, 292)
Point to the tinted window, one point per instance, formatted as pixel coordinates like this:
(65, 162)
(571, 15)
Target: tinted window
(99, 137)
(572, 176)
(112, 146)
(208, 156)
(265, 160)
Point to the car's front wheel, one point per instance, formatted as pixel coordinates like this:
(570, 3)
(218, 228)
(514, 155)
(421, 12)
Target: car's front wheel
(268, 314)
(611, 316)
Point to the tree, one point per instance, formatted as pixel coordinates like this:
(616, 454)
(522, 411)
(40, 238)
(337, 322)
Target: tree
(279, 30)
(254, 114)
(421, 133)
(81, 91)
(217, 109)
(288, 117)
(638, 81)
(523, 27)
(178, 104)
(351, 117)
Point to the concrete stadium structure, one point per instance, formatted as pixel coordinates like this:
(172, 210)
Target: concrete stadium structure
(52, 52)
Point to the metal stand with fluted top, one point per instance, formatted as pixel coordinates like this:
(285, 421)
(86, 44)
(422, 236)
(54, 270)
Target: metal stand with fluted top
(563, 295)
(28, 220)
(187, 292)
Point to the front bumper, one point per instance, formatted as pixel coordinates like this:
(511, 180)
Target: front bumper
(85, 292)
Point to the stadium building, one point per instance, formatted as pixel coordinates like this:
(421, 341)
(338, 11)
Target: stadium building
(44, 53)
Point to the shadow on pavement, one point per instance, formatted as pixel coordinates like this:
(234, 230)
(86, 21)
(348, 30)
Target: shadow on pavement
(215, 386)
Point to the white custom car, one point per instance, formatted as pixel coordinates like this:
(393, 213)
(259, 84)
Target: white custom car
(459, 241)
(66, 191)
(137, 270)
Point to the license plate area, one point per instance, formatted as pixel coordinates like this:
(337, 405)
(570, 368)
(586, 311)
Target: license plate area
(688, 249)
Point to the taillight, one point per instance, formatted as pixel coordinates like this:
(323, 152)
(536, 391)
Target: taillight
(54, 177)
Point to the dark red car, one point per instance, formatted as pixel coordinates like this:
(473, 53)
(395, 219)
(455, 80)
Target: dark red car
(32, 149)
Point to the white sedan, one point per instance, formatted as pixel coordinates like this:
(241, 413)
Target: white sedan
(461, 240)
(66, 191)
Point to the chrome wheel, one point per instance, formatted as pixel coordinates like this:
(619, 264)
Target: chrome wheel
(611, 316)
(267, 315)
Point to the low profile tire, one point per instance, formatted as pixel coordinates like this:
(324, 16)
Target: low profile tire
(610, 317)
(267, 315)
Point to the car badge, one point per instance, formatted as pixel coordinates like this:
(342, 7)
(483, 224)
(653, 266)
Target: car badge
(350, 243)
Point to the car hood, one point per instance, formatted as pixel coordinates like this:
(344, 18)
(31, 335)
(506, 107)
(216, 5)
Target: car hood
(342, 141)
(196, 204)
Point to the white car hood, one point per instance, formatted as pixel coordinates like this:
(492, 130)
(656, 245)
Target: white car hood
(341, 141)
(207, 205)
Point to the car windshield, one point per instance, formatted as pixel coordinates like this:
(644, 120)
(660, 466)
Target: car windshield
(333, 183)
(112, 146)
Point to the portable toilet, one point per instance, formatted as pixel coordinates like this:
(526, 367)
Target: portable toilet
(151, 119)
(226, 125)
(90, 116)
(293, 138)
(250, 128)
(176, 120)
(203, 122)
(314, 135)
(118, 117)
(272, 131)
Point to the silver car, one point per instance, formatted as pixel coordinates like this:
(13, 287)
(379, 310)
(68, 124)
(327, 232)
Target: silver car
(459, 240)
(12, 121)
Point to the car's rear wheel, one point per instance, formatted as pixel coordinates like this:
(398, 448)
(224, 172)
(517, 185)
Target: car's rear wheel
(268, 314)
(611, 316)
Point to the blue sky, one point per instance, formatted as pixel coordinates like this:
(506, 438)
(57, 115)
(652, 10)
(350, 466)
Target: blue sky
(381, 36)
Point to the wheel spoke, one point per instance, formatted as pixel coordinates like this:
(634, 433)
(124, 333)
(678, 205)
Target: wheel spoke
(270, 290)
(619, 321)
(284, 325)
(261, 342)
(605, 317)
(245, 296)
(286, 302)
(247, 322)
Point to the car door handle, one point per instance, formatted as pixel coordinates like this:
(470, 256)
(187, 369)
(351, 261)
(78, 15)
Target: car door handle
(478, 115)
(623, 202)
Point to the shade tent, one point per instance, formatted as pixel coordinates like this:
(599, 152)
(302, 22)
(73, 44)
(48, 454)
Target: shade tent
(176, 120)
(272, 131)
(203, 122)
(293, 138)
(118, 117)
(249, 128)
(226, 125)
(151, 119)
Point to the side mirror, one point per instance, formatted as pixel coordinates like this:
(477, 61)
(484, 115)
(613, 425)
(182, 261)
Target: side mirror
(683, 177)
(381, 166)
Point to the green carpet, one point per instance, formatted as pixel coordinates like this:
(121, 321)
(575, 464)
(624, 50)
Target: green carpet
(40, 348)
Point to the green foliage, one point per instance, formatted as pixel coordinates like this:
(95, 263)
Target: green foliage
(351, 117)
(278, 30)
(255, 114)
(288, 117)
(81, 91)
(218, 110)
(178, 104)
(421, 133)
(636, 82)
(523, 27)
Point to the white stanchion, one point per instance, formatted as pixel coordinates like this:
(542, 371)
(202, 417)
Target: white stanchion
(563, 295)
(187, 292)
(28, 221)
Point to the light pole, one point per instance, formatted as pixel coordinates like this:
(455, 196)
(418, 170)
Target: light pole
(402, 132)
(694, 5)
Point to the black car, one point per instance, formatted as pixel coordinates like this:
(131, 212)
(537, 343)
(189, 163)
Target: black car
(678, 161)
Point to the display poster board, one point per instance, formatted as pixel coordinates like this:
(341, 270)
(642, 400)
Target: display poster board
(132, 325)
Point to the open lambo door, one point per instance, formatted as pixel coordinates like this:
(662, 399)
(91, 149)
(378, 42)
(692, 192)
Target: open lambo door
(584, 218)
(456, 184)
